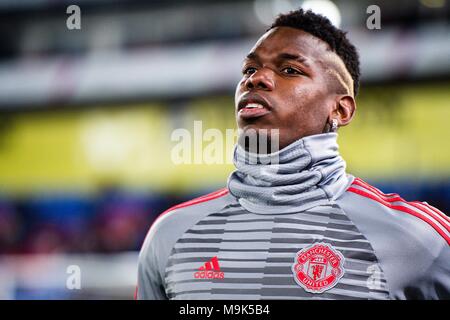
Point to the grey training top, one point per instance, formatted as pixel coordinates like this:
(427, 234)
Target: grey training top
(347, 240)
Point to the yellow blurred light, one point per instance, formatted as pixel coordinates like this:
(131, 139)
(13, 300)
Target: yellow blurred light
(398, 132)
(434, 4)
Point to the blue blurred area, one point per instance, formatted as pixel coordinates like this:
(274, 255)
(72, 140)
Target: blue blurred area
(42, 294)
(114, 221)
(118, 220)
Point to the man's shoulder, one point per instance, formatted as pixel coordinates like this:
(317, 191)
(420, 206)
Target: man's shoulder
(415, 218)
(410, 238)
(188, 212)
(170, 225)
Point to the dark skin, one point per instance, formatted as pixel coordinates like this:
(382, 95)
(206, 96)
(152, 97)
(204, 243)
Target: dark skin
(303, 84)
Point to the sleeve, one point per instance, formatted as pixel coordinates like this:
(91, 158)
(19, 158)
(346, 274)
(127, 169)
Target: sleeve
(150, 284)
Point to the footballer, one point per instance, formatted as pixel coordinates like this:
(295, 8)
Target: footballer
(298, 227)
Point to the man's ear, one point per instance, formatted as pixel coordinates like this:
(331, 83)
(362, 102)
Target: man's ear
(344, 110)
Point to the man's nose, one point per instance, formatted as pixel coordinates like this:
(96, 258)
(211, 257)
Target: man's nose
(261, 79)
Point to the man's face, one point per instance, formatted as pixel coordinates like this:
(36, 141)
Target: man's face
(285, 73)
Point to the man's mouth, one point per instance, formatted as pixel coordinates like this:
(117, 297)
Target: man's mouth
(250, 108)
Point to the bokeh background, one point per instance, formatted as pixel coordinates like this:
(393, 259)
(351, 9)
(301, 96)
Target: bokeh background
(86, 118)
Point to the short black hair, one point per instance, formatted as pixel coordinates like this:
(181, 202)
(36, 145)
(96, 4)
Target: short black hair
(320, 27)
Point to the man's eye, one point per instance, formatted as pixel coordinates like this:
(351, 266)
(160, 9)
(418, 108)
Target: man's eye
(289, 70)
(249, 70)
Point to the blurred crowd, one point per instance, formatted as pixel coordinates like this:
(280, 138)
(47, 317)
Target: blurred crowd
(114, 221)
(117, 221)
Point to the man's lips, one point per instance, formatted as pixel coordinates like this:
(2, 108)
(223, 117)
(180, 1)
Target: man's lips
(253, 107)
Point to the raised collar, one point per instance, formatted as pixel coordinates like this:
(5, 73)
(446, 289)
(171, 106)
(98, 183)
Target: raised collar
(307, 173)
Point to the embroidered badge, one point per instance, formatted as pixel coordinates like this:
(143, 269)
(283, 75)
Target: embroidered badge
(318, 267)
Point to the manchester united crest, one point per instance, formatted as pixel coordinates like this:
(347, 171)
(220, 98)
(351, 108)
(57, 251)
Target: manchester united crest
(318, 268)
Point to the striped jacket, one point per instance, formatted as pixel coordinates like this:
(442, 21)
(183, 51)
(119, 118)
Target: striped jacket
(363, 245)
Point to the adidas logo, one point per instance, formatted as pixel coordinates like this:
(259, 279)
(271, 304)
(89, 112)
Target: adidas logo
(210, 270)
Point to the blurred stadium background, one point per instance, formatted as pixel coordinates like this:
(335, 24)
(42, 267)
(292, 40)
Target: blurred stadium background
(86, 118)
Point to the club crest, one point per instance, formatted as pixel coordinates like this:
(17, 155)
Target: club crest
(318, 267)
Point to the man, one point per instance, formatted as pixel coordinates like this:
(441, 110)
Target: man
(297, 227)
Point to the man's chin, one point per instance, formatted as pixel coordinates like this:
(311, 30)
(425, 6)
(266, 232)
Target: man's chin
(259, 140)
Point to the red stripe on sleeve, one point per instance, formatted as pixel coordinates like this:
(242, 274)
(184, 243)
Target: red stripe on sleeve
(403, 209)
(395, 197)
(210, 196)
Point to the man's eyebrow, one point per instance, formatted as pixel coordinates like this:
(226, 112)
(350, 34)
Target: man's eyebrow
(295, 57)
(281, 56)
(252, 56)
